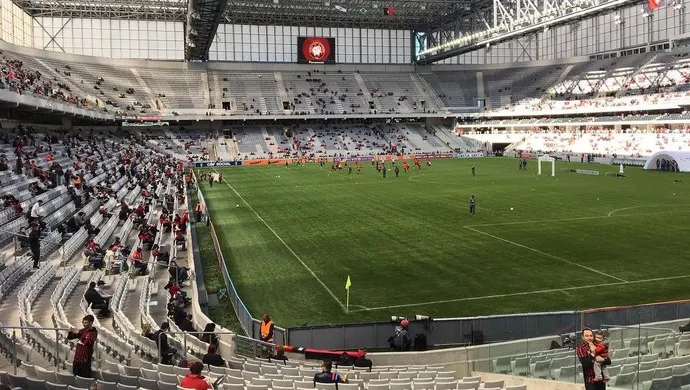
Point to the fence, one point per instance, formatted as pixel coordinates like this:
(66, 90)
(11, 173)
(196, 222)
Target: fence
(250, 325)
(490, 329)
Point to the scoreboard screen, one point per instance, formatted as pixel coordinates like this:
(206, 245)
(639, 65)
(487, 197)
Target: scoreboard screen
(315, 50)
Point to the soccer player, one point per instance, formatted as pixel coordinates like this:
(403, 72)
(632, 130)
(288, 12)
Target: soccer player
(349, 169)
(428, 163)
(359, 168)
(473, 205)
(406, 167)
(397, 171)
(473, 173)
(384, 170)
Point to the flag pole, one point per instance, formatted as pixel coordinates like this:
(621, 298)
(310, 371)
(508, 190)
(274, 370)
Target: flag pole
(347, 302)
(348, 283)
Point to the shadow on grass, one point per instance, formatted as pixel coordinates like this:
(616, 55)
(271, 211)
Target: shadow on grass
(223, 314)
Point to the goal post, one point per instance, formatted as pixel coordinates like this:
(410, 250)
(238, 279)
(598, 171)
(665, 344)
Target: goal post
(547, 159)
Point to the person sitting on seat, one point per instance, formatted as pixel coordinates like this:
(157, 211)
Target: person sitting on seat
(326, 376)
(180, 238)
(194, 380)
(160, 256)
(181, 274)
(138, 261)
(96, 301)
(164, 350)
(212, 358)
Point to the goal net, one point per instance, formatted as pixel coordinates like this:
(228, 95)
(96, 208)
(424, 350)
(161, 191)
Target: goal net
(547, 159)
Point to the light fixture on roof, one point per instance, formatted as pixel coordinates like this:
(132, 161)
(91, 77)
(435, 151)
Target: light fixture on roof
(327, 3)
(275, 1)
(422, 7)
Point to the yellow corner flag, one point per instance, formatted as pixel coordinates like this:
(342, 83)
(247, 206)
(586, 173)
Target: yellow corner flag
(347, 299)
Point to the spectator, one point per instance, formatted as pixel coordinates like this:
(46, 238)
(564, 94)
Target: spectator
(212, 358)
(187, 324)
(96, 301)
(586, 352)
(165, 352)
(279, 355)
(35, 244)
(326, 376)
(178, 273)
(146, 331)
(208, 336)
(36, 212)
(194, 380)
(83, 354)
(138, 261)
(99, 289)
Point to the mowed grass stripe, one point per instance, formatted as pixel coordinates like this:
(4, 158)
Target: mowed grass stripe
(404, 241)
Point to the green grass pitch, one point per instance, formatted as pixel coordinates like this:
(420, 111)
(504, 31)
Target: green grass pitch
(292, 235)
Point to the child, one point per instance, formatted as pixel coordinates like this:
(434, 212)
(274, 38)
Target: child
(600, 370)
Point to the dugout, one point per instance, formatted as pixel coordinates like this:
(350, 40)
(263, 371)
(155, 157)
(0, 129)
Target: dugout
(681, 159)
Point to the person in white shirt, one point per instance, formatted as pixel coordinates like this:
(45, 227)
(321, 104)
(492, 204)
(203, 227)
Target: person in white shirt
(99, 290)
(36, 211)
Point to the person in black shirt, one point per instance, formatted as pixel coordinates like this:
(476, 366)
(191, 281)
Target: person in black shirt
(161, 338)
(326, 376)
(96, 300)
(35, 243)
(212, 358)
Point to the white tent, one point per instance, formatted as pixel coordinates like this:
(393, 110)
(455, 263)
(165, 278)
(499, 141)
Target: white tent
(682, 158)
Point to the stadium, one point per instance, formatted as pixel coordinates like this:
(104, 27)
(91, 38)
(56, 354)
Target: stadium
(344, 194)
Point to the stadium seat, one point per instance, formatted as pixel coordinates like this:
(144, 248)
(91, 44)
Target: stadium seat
(55, 386)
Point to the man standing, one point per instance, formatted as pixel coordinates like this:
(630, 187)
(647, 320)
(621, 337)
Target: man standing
(198, 212)
(35, 243)
(266, 329)
(473, 171)
(586, 352)
(36, 212)
(473, 205)
(83, 353)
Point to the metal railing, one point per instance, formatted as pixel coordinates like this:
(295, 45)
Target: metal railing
(11, 344)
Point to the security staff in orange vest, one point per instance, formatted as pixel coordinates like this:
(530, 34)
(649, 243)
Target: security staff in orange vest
(198, 212)
(267, 329)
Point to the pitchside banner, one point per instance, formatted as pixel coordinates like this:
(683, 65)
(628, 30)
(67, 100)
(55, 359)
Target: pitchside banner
(210, 164)
(315, 50)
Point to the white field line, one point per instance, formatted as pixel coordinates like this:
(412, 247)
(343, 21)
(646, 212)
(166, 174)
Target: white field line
(609, 215)
(546, 254)
(330, 292)
(517, 294)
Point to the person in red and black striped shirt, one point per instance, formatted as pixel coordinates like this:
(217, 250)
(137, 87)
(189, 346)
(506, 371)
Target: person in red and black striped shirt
(83, 354)
(586, 352)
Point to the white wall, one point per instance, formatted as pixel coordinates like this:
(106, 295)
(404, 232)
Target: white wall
(595, 35)
(111, 38)
(279, 44)
(16, 24)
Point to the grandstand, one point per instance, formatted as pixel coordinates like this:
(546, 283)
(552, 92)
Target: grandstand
(117, 117)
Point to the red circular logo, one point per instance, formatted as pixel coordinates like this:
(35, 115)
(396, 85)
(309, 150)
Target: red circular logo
(316, 49)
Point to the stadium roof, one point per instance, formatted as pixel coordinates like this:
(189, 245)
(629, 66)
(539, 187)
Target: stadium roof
(407, 14)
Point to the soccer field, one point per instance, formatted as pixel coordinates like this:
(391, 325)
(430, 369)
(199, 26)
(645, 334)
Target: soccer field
(291, 236)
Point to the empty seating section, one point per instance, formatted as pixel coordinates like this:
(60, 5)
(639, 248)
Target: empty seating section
(182, 89)
(455, 89)
(249, 93)
(397, 93)
(320, 93)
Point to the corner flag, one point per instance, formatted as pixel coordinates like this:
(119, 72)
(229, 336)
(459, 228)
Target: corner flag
(348, 283)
